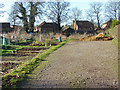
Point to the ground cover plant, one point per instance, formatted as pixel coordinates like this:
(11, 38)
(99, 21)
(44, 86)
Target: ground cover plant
(11, 79)
(15, 55)
(7, 66)
(23, 54)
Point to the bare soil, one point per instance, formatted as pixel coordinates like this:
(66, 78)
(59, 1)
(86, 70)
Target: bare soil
(90, 64)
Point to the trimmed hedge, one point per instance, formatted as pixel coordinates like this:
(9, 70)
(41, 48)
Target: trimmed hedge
(10, 80)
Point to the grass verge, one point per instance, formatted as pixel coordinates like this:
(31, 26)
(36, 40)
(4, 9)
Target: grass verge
(10, 80)
(115, 41)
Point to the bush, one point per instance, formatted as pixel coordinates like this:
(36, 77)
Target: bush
(115, 22)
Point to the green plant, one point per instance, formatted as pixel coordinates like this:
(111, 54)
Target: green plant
(115, 22)
(46, 43)
(115, 41)
(9, 80)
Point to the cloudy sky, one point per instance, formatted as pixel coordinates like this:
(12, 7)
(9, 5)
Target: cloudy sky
(81, 4)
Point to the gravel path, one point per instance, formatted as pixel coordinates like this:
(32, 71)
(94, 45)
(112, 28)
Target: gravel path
(91, 64)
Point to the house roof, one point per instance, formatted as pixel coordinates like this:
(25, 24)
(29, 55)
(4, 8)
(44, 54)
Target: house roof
(41, 24)
(46, 24)
(65, 27)
(106, 24)
(83, 23)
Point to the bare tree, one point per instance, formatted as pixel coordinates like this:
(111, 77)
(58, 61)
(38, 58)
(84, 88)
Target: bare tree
(90, 15)
(13, 14)
(23, 17)
(58, 12)
(27, 12)
(35, 10)
(111, 9)
(76, 13)
(96, 9)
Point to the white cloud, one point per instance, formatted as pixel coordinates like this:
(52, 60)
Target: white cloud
(4, 17)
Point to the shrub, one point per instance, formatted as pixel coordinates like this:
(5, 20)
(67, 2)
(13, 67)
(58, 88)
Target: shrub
(115, 22)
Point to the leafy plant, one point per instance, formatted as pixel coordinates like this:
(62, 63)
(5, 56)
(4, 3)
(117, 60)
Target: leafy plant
(115, 22)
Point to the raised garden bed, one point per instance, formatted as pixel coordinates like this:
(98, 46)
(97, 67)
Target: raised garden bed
(24, 52)
(20, 56)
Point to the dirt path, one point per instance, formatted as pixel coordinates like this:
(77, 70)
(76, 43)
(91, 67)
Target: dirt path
(91, 64)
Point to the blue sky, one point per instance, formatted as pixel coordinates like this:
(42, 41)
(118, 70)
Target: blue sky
(81, 4)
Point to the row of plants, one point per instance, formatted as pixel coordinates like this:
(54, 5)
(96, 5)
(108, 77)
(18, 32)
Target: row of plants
(23, 42)
(45, 43)
(7, 66)
(10, 80)
(10, 49)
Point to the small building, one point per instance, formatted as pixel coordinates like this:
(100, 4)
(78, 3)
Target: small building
(5, 27)
(67, 31)
(47, 27)
(83, 26)
(106, 25)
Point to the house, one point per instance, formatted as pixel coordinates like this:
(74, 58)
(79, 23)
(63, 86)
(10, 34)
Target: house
(67, 31)
(5, 27)
(83, 26)
(47, 27)
(106, 25)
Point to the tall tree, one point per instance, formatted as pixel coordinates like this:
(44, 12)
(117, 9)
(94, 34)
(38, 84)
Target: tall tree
(35, 9)
(90, 15)
(58, 12)
(13, 14)
(76, 13)
(96, 9)
(23, 16)
(111, 9)
(27, 12)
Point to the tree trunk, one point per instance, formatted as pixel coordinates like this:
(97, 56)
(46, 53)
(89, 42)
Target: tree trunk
(24, 17)
(32, 17)
(59, 21)
(98, 21)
